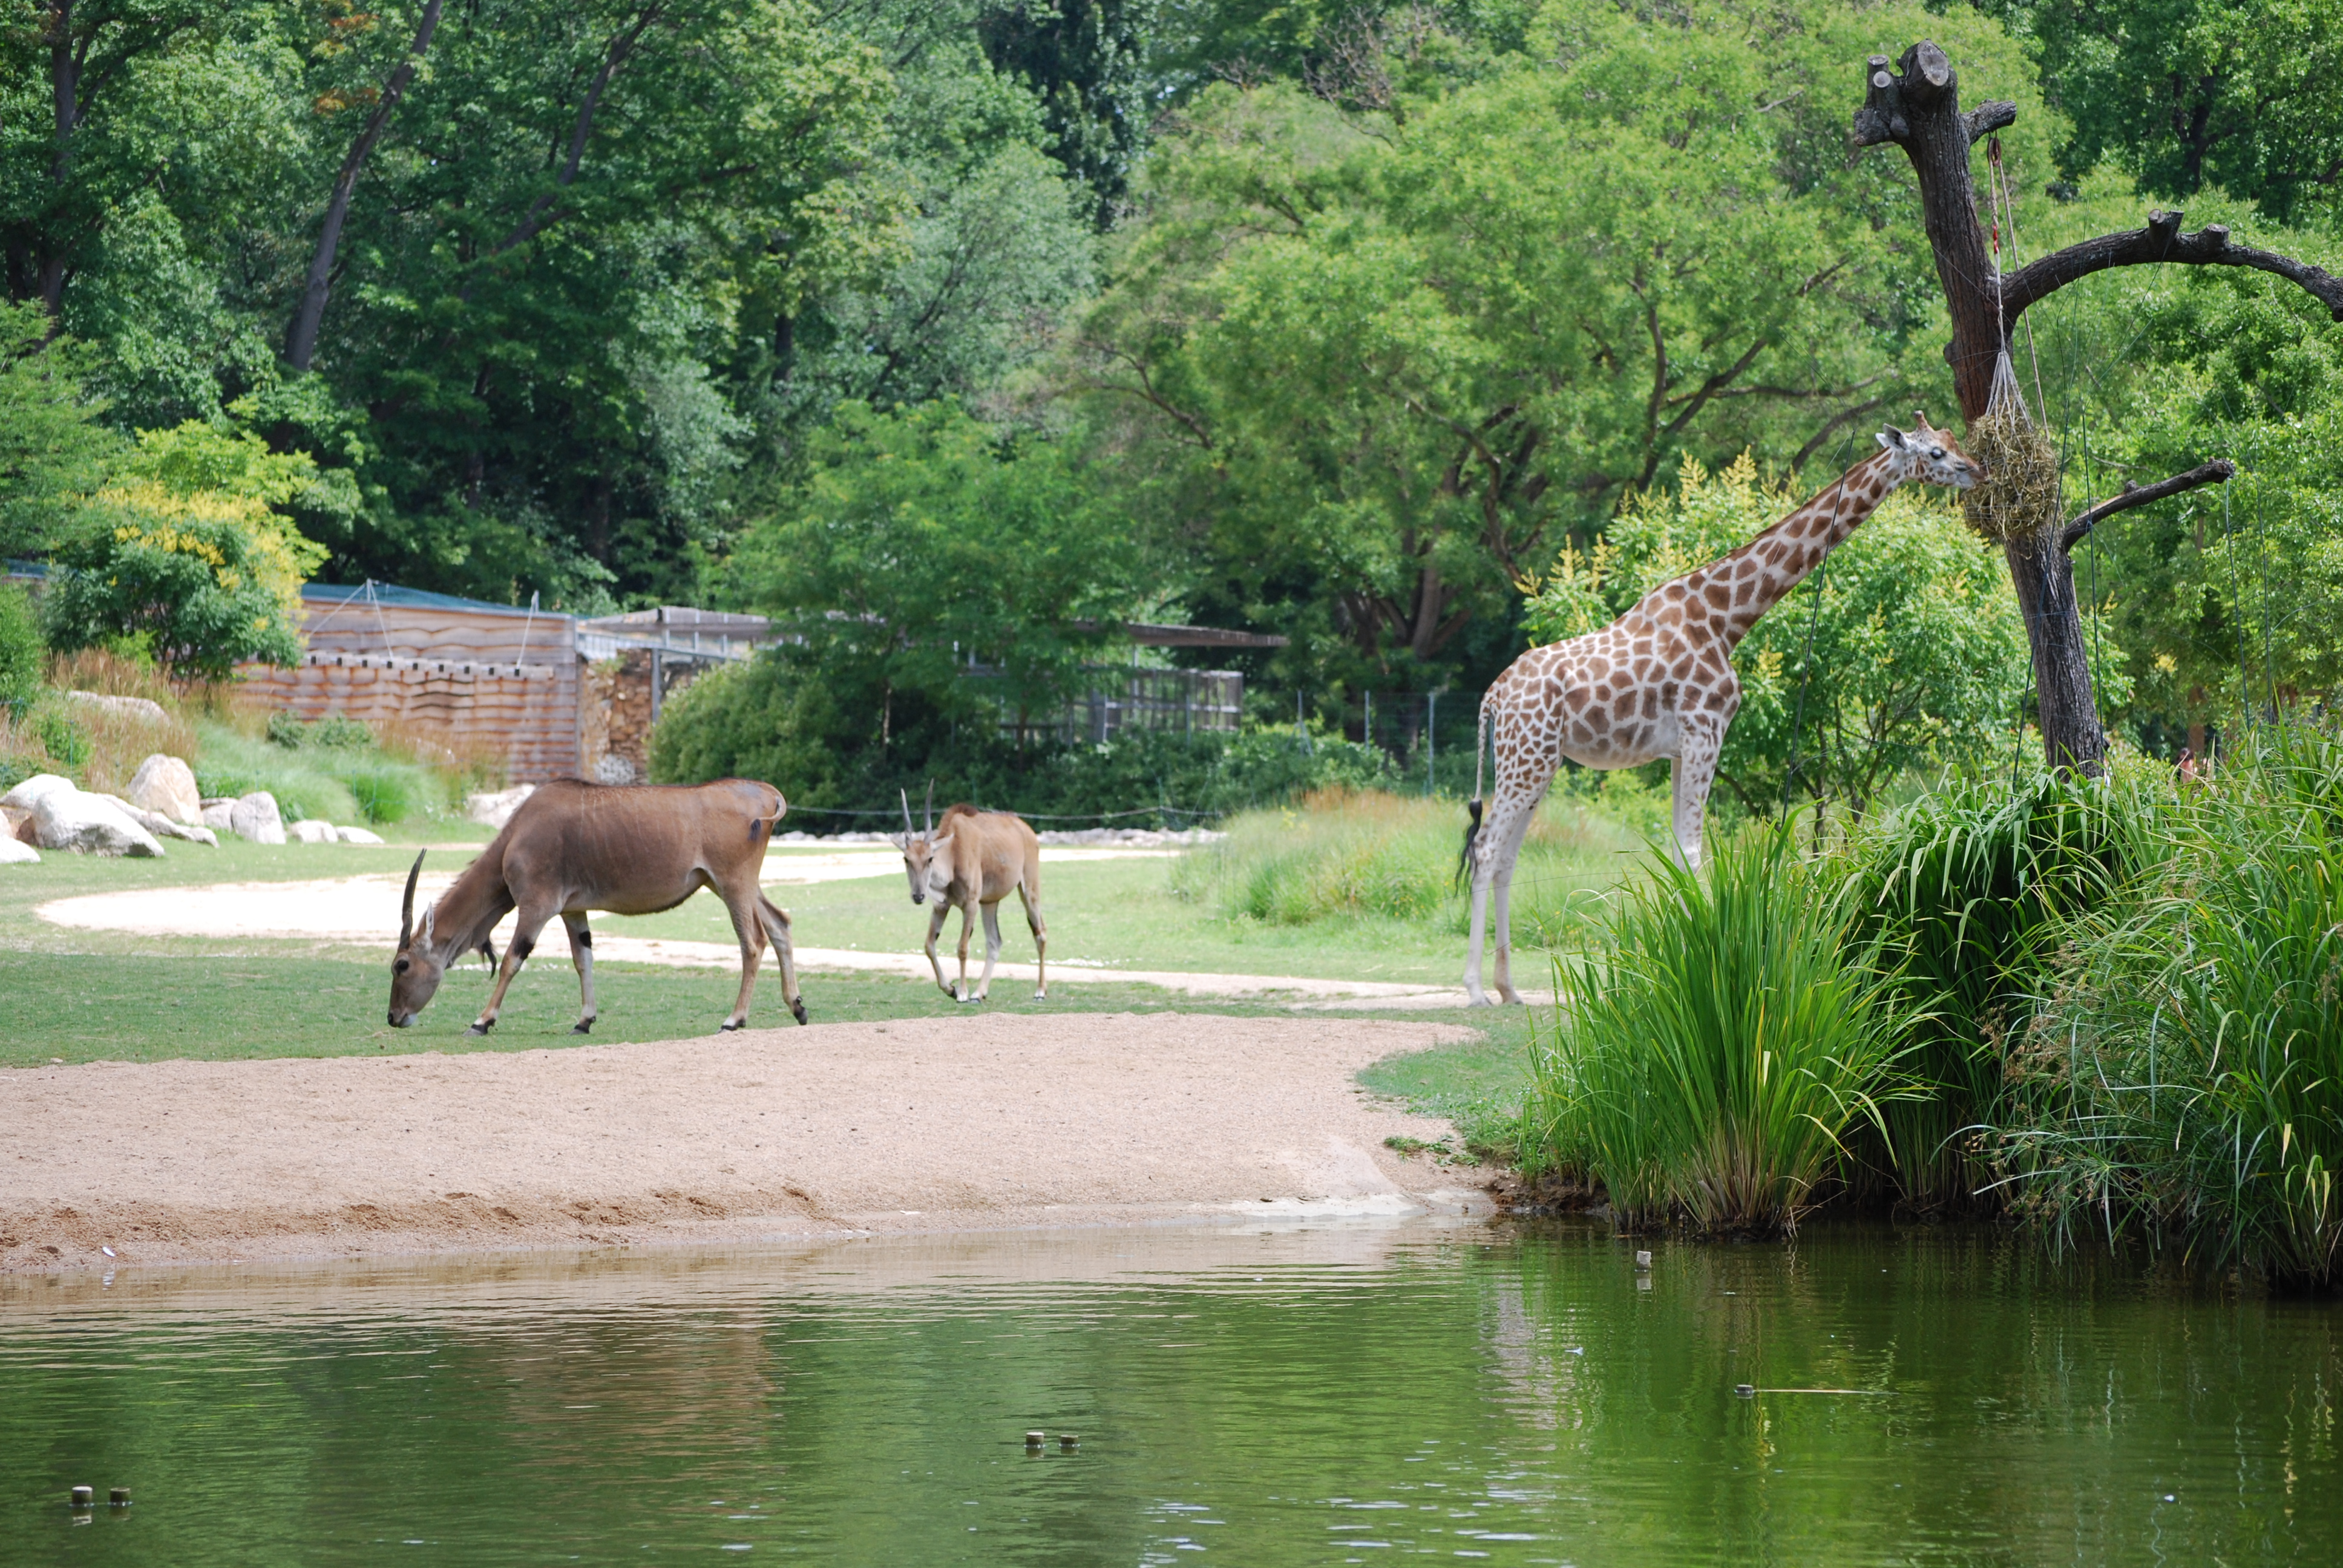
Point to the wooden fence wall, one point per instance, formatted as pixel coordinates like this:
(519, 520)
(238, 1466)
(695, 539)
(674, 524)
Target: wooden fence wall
(479, 681)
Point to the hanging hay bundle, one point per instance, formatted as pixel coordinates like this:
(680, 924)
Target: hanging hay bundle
(2019, 492)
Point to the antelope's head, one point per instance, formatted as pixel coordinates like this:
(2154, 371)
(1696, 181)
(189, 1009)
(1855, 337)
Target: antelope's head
(927, 860)
(416, 969)
(1929, 456)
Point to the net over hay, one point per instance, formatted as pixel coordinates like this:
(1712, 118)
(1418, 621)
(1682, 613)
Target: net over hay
(2019, 492)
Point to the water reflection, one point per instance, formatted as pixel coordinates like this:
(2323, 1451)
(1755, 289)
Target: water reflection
(1344, 1392)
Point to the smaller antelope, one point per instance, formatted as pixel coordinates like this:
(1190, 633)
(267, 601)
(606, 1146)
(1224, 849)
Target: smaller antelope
(573, 847)
(971, 863)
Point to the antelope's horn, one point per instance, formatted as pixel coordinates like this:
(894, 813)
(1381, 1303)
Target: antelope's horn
(929, 809)
(407, 909)
(909, 833)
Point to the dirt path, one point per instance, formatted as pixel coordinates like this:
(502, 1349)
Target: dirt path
(364, 910)
(957, 1124)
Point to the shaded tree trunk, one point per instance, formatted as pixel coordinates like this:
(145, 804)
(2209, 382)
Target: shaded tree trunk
(309, 314)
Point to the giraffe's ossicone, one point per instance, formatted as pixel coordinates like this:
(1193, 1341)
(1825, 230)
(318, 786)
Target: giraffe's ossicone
(1659, 681)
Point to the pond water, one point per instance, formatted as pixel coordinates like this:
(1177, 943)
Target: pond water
(1353, 1391)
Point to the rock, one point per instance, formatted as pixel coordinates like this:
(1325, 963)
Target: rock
(90, 824)
(28, 793)
(312, 832)
(217, 813)
(12, 853)
(358, 836)
(129, 706)
(20, 827)
(496, 809)
(166, 785)
(162, 827)
(256, 818)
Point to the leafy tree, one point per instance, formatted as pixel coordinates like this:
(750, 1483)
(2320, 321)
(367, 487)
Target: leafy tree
(53, 450)
(1087, 62)
(2184, 94)
(21, 648)
(1905, 652)
(212, 579)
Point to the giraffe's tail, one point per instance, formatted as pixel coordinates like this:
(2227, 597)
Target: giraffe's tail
(1473, 807)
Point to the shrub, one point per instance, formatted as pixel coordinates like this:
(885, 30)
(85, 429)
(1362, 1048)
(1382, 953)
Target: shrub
(334, 731)
(21, 651)
(1706, 1059)
(384, 794)
(215, 579)
(63, 738)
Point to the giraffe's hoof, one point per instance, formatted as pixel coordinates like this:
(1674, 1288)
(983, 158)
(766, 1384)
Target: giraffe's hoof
(1478, 1001)
(583, 1026)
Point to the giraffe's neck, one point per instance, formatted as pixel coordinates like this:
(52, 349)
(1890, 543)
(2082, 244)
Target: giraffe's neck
(1761, 574)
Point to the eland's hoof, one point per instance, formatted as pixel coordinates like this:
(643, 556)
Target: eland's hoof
(481, 1028)
(1040, 996)
(797, 1011)
(583, 1026)
(731, 1025)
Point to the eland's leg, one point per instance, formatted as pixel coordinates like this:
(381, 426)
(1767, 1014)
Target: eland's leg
(777, 930)
(967, 923)
(992, 947)
(746, 925)
(581, 954)
(935, 929)
(1032, 902)
(524, 942)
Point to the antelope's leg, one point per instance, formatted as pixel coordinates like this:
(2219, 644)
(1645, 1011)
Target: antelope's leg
(991, 948)
(777, 930)
(524, 942)
(967, 923)
(1033, 903)
(935, 929)
(749, 929)
(581, 953)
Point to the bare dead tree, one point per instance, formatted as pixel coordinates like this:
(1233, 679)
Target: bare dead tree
(1916, 105)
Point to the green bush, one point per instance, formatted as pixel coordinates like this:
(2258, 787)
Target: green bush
(1708, 1059)
(21, 652)
(386, 795)
(334, 731)
(62, 737)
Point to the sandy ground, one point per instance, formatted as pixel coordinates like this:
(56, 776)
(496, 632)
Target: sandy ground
(364, 909)
(971, 1122)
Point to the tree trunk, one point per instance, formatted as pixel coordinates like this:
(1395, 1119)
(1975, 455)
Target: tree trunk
(301, 338)
(1917, 106)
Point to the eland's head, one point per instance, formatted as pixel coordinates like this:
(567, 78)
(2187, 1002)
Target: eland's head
(1928, 455)
(417, 968)
(927, 860)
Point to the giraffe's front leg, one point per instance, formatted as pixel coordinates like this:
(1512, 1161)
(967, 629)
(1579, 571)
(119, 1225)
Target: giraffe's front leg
(1691, 778)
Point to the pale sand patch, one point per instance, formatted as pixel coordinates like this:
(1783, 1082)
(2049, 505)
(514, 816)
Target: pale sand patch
(363, 911)
(964, 1123)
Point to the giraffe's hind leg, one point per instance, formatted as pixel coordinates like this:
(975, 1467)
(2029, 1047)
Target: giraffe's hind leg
(1691, 778)
(1500, 841)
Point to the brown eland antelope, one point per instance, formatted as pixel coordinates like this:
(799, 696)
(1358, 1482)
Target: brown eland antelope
(632, 850)
(971, 863)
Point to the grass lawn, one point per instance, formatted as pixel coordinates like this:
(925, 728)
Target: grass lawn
(87, 995)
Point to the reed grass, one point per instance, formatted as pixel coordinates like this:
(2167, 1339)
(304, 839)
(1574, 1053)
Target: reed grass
(1709, 1056)
(2182, 1077)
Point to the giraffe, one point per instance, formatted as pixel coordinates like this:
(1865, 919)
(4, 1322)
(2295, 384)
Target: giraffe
(1659, 681)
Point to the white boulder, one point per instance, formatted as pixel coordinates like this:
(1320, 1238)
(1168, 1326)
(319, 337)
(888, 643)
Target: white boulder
(358, 836)
(162, 827)
(129, 706)
(312, 831)
(256, 817)
(89, 825)
(165, 785)
(217, 811)
(496, 810)
(13, 853)
(28, 793)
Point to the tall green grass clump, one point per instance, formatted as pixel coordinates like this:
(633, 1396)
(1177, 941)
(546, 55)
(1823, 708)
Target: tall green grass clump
(1711, 1053)
(1353, 854)
(2184, 1078)
(1970, 889)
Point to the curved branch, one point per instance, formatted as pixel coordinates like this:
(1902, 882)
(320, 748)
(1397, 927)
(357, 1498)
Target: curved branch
(2160, 241)
(2212, 473)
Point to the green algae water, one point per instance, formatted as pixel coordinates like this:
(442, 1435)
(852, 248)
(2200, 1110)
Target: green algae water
(1344, 1392)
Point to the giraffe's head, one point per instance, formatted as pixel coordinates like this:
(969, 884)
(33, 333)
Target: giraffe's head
(1928, 456)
